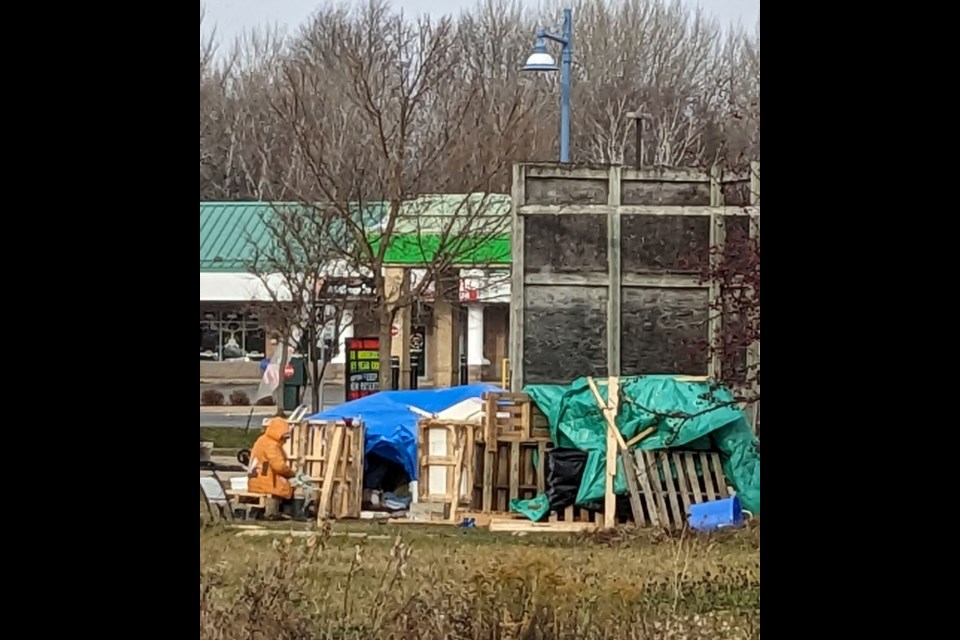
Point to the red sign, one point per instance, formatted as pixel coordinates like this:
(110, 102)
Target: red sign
(288, 371)
(394, 330)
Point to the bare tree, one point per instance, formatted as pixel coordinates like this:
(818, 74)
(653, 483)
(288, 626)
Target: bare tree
(377, 111)
(308, 287)
(697, 88)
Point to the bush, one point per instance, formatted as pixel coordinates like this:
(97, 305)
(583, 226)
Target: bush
(211, 398)
(266, 401)
(239, 398)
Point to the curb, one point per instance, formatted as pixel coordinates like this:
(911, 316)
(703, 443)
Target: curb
(262, 410)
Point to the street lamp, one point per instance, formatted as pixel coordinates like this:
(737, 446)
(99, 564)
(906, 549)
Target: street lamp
(540, 60)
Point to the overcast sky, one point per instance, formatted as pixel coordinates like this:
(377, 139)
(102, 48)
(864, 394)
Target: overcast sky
(231, 17)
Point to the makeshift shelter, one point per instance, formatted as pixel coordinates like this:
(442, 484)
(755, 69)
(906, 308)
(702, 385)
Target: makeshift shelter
(682, 414)
(391, 419)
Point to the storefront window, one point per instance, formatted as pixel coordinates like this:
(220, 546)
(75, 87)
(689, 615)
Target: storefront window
(231, 335)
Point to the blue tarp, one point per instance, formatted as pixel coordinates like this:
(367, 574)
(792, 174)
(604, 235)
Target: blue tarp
(391, 426)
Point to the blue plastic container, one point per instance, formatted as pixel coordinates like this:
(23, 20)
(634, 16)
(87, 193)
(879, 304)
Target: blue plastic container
(717, 514)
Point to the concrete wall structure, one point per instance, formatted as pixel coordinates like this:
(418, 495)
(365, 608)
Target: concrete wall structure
(607, 268)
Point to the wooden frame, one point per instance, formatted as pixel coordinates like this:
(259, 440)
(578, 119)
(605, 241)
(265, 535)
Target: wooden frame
(613, 192)
(338, 486)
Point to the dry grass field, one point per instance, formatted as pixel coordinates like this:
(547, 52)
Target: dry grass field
(367, 581)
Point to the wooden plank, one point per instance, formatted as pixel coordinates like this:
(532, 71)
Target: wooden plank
(632, 490)
(658, 489)
(718, 474)
(542, 467)
(455, 494)
(640, 436)
(568, 514)
(490, 421)
(519, 526)
(526, 419)
(343, 485)
(488, 463)
(326, 490)
(609, 414)
(355, 472)
(468, 457)
(609, 498)
(684, 485)
(613, 399)
(692, 475)
(644, 478)
(707, 479)
(514, 471)
(677, 511)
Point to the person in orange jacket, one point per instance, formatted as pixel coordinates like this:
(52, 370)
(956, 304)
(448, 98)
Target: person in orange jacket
(269, 469)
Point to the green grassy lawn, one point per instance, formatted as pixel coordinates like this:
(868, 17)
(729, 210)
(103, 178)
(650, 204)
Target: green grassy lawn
(410, 581)
(229, 440)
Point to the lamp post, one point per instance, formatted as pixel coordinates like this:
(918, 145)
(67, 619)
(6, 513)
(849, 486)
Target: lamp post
(540, 60)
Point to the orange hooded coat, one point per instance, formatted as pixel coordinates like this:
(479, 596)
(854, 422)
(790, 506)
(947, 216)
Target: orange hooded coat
(269, 468)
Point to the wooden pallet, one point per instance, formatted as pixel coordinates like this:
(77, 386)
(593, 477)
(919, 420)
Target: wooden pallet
(507, 472)
(497, 461)
(513, 416)
(446, 460)
(338, 484)
(576, 514)
(255, 500)
(669, 484)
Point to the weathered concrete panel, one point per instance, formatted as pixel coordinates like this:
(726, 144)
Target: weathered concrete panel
(664, 244)
(664, 331)
(561, 191)
(735, 337)
(737, 252)
(568, 243)
(736, 193)
(565, 333)
(687, 194)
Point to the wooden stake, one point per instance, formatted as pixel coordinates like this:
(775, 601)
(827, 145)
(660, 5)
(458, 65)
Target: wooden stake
(640, 436)
(610, 415)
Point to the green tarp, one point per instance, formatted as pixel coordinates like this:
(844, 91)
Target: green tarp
(689, 415)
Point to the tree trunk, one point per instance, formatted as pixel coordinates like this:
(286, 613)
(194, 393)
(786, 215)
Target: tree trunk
(315, 385)
(386, 344)
(313, 373)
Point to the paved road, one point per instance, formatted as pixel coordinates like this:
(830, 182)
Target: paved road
(332, 396)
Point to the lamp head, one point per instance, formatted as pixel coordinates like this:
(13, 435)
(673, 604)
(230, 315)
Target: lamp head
(540, 60)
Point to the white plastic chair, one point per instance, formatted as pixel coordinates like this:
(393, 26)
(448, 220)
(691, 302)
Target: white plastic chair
(214, 494)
